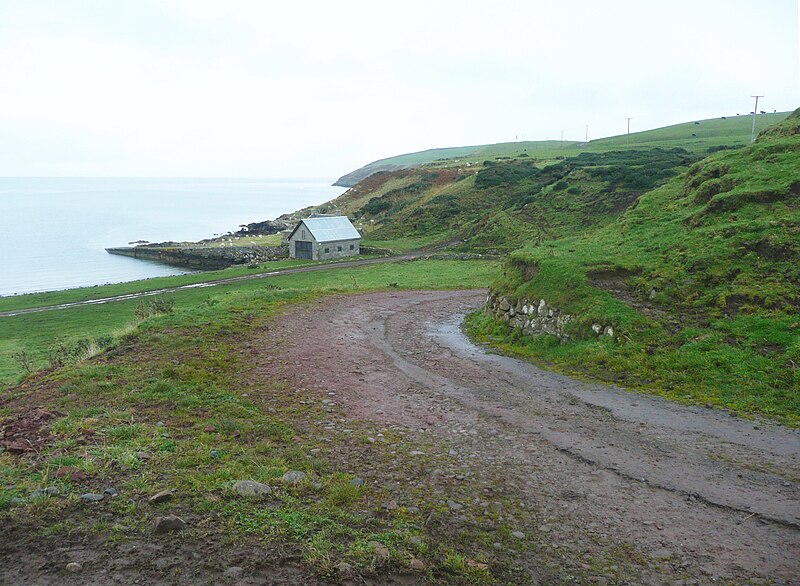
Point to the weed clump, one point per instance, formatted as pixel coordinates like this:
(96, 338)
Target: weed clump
(154, 307)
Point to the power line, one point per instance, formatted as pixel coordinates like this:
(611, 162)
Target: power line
(755, 111)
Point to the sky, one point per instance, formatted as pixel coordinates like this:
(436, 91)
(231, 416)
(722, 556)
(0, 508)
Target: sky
(258, 88)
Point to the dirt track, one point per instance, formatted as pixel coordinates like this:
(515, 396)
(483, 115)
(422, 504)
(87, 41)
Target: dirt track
(692, 495)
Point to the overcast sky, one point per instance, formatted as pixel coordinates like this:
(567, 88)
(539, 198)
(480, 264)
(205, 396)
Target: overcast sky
(233, 88)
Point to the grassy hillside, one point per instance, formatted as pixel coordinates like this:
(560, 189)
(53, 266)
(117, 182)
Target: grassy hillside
(695, 136)
(499, 205)
(700, 281)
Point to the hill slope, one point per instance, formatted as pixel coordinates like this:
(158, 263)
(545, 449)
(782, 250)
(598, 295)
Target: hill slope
(699, 283)
(690, 260)
(693, 136)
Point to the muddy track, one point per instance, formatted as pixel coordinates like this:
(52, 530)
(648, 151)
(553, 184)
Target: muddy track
(700, 494)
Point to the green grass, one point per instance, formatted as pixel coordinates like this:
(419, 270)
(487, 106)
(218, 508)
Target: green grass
(402, 244)
(14, 302)
(240, 241)
(177, 373)
(36, 334)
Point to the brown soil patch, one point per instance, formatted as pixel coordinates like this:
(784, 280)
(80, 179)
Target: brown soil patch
(26, 433)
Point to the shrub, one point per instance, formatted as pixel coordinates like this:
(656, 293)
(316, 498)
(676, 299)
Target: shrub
(154, 307)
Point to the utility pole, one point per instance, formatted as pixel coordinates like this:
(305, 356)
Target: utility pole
(562, 139)
(627, 140)
(755, 111)
(587, 134)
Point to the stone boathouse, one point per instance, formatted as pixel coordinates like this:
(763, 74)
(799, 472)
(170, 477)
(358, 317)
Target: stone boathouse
(321, 237)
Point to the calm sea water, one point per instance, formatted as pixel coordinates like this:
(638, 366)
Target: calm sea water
(53, 231)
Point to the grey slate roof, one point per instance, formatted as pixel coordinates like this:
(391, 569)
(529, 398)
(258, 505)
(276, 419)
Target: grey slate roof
(330, 229)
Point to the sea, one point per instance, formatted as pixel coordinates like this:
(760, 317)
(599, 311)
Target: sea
(54, 231)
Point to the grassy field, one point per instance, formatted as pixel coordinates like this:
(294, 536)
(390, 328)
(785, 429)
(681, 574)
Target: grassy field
(711, 133)
(14, 302)
(258, 240)
(707, 267)
(172, 394)
(82, 330)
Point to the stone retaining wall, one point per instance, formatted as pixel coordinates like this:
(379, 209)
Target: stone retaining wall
(205, 257)
(535, 317)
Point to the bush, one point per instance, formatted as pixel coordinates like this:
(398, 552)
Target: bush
(506, 174)
(154, 307)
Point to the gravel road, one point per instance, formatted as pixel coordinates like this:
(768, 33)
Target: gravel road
(693, 495)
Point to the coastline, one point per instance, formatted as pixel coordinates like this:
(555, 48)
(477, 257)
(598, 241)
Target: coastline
(54, 231)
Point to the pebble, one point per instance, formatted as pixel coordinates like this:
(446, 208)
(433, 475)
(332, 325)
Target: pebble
(74, 567)
(45, 492)
(112, 492)
(209, 429)
(215, 454)
(251, 488)
(345, 569)
(452, 453)
(415, 540)
(454, 505)
(416, 453)
(293, 476)
(518, 534)
(91, 497)
(357, 481)
(160, 497)
(390, 506)
(144, 456)
(169, 524)
(661, 554)
(381, 551)
(234, 572)
(417, 565)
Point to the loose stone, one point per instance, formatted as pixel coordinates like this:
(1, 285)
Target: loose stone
(45, 492)
(251, 488)
(293, 476)
(169, 524)
(160, 497)
(91, 497)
